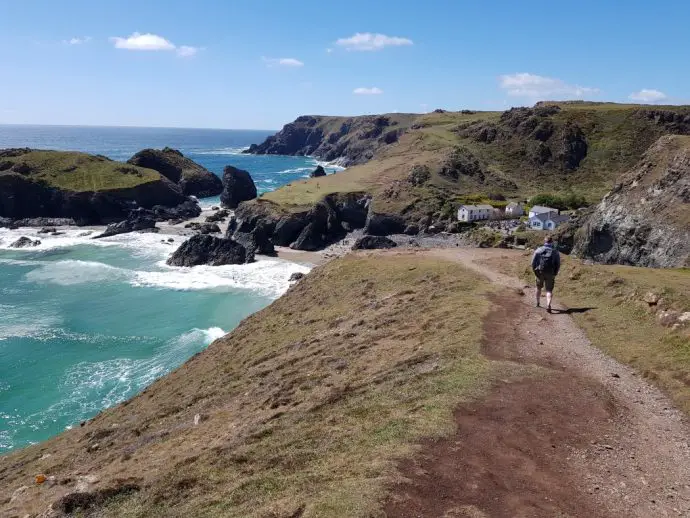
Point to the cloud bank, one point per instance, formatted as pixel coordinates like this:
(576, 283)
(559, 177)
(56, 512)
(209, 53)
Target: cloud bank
(540, 87)
(648, 95)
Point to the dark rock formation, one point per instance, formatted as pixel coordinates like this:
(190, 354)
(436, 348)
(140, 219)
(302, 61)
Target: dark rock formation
(573, 146)
(203, 228)
(25, 242)
(185, 210)
(137, 221)
(297, 276)
(318, 172)
(217, 216)
(350, 141)
(238, 186)
(384, 224)
(255, 238)
(214, 251)
(323, 228)
(192, 178)
(373, 242)
(645, 219)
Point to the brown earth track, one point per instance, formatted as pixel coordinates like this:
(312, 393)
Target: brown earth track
(581, 436)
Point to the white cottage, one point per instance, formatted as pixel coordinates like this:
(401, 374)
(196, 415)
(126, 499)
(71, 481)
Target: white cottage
(538, 209)
(514, 210)
(546, 221)
(474, 212)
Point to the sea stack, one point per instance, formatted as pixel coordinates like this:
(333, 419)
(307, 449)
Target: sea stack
(238, 186)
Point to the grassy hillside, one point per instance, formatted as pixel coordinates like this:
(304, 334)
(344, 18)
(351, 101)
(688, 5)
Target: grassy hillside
(576, 147)
(77, 172)
(306, 405)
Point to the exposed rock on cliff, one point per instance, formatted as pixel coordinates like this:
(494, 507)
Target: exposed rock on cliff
(214, 251)
(645, 219)
(238, 186)
(86, 188)
(192, 178)
(349, 140)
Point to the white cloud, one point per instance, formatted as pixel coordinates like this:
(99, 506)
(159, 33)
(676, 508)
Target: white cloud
(369, 41)
(146, 41)
(648, 95)
(367, 91)
(77, 41)
(283, 62)
(540, 87)
(185, 51)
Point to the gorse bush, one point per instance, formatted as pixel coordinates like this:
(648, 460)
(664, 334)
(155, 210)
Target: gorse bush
(566, 201)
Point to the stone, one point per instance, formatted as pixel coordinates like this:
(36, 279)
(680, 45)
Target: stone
(373, 242)
(214, 251)
(238, 186)
(384, 224)
(256, 241)
(651, 298)
(25, 242)
(217, 216)
(318, 172)
(296, 276)
(138, 220)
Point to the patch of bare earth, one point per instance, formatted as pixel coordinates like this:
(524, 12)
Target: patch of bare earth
(583, 437)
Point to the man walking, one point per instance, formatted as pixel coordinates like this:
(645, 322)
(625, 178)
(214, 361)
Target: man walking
(546, 262)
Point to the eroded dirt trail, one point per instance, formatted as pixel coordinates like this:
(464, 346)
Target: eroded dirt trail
(584, 437)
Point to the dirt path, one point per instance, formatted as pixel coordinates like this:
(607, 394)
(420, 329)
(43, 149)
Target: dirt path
(587, 437)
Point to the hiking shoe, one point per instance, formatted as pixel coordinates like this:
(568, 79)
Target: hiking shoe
(548, 309)
(538, 304)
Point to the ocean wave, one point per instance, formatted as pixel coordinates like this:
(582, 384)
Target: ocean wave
(268, 277)
(16, 324)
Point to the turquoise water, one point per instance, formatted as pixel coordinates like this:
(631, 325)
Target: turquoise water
(86, 324)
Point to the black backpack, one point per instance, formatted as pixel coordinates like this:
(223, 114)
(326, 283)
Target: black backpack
(546, 261)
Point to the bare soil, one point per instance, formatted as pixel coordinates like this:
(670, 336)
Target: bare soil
(588, 437)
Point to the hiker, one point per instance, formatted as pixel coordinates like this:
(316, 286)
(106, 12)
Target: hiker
(545, 264)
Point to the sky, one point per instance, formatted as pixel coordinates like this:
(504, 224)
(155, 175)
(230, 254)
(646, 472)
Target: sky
(259, 64)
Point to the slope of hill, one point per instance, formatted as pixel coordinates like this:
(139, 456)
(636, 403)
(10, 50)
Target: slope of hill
(442, 159)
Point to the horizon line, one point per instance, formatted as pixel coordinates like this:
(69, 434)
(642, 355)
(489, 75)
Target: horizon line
(130, 126)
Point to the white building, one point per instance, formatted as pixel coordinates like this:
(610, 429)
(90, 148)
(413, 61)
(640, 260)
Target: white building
(514, 210)
(538, 209)
(546, 220)
(474, 212)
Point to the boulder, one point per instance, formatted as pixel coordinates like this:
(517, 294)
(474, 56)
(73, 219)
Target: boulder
(257, 240)
(296, 277)
(25, 242)
(219, 215)
(238, 186)
(207, 228)
(384, 224)
(411, 230)
(192, 178)
(47, 230)
(318, 172)
(214, 251)
(373, 242)
(137, 220)
(185, 210)
(324, 227)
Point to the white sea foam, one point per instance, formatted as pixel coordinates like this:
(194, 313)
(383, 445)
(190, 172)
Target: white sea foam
(66, 273)
(15, 324)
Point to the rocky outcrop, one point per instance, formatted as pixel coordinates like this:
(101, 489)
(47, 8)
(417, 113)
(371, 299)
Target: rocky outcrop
(137, 221)
(384, 224)
(347, 140)
(193, 179)
(219, 215)
(84, 188)
(256, 238)
(25, 242)
(238, 186)
(204, 228)
(326, 222)
(318, 172)
(373, 242)
(645, 219)
(214, 251)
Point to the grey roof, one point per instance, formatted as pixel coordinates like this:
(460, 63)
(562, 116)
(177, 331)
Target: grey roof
(540, 208)
(512, 204)
(553, 216)
(474, 207)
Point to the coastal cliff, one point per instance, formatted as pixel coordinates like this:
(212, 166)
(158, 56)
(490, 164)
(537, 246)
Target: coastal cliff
(345, 140)
(88, 189)
(645, 219)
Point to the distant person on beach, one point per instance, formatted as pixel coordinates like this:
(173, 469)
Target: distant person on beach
(546, 262)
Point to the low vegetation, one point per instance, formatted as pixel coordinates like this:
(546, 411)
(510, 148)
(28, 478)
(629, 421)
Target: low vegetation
(77, 172)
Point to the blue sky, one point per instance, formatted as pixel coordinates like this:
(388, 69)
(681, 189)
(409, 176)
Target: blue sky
(259, 64)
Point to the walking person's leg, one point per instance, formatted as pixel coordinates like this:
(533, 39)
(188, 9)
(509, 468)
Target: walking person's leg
(549, 281)
(540, 285)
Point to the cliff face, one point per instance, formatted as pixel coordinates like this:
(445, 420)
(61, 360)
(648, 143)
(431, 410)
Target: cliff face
(645, 219)
(347, 140)
(86, 188)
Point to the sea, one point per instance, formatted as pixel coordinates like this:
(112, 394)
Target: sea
(86, 324)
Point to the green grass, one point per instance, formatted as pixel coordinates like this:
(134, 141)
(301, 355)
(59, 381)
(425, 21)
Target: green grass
(82, 172)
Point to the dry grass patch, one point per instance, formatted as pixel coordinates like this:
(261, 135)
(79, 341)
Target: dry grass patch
(303, 410)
